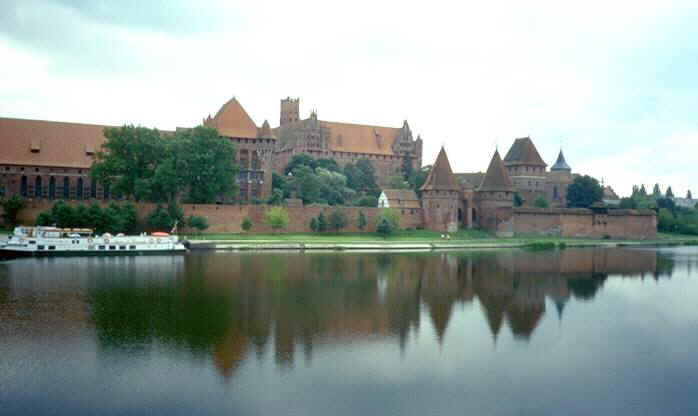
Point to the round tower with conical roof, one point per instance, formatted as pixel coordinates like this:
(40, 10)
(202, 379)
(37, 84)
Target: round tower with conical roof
(441, 196)
(495, 199)
(557, 181)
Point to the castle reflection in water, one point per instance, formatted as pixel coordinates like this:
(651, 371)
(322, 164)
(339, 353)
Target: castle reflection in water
(231, 306)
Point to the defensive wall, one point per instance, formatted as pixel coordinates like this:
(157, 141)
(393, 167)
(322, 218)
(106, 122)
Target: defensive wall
(579, 222)
(562, 222)
(228, 218)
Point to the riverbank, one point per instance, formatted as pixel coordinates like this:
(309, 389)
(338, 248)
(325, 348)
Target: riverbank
(409, 240)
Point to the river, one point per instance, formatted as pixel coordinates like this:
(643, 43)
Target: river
(501, 332)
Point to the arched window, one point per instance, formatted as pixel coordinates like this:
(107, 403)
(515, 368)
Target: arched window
(38, 187)
(78, 189)
(93, 189)
(474, 215)
(554, 192)
(66, 188)
(106, 191)
(52, 188)
(23, 186)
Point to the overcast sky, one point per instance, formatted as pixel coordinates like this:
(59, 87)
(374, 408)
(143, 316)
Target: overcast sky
(614, 83)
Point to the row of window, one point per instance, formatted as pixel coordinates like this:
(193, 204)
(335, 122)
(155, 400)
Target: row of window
(64, 191)
(51, 170)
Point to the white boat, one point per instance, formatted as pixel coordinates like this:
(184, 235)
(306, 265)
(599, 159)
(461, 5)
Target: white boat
(52, 241)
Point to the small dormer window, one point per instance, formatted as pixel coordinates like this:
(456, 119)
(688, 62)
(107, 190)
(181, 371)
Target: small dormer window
(35, 146)
(89, 150)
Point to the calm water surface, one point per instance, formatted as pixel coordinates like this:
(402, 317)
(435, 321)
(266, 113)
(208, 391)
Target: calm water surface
(576, 332)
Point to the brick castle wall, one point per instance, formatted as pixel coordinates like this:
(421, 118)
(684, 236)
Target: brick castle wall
(228, 218)
(629, 224)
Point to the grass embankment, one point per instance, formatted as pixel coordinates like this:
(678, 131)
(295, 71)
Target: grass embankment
(460, 238)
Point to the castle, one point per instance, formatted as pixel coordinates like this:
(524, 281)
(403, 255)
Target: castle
(46, 160)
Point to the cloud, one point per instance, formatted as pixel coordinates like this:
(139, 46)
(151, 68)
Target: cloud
(597, 79)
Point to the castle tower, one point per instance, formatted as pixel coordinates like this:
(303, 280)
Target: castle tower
(559, 178)
(495, 199)
(290, 111)
(441, 196)
(526, 170)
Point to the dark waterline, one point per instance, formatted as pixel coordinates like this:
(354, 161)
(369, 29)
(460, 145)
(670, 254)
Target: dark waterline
(574, 332)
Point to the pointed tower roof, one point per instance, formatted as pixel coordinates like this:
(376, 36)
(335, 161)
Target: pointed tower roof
(233, 121)
(561, 164)
(496, 178)
(441, 176)
(523, 152)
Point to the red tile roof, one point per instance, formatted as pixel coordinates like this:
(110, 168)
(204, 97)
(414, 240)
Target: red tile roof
(54, 143)
(233, 121)
(359, 138)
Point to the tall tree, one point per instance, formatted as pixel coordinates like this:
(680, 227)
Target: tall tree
(669, 192)
(688, 195)
(583, 192)
(210, 171)
(642, 192)
(128, 156)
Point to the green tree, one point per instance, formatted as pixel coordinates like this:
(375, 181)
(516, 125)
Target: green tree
(666, 221)
(129, 154)
(197, 222)
(362, 221)
(300, 160)
(209, 172)
(642, 192)
(314, 224)
(628, 203)
(246, 224)
(337, 220)
(419, 177)
(397, 182)
(277, 218)
(321, 223)
(583, 192)
(279, 182)
(276, 198)
(669, 192)
(540, 202)
(11, 207)
(518, 201)
(656, 192)
(688, 195)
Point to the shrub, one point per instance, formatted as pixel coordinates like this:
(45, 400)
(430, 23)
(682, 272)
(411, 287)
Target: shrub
(321, 223)
(367, 201)
(199, 223)
(518, 201)
(277, 218)
(313, 224)
(387, 222)
(159, 219)
(539, 245)
(337, 220)
(246, 224)
(362, 220)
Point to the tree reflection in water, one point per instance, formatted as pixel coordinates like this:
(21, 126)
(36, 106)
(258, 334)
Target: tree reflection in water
(230, 305)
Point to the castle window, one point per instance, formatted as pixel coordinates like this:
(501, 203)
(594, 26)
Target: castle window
(66, 188)
(23, 186)
(37, 187)
(78, 189)
(52, 188)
